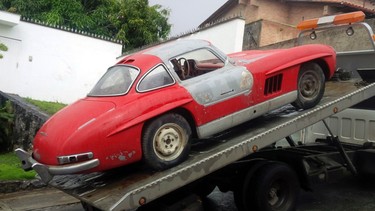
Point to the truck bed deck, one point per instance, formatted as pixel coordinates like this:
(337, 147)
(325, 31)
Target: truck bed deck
(129, 187)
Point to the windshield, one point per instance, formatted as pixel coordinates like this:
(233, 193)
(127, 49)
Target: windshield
(116, 81)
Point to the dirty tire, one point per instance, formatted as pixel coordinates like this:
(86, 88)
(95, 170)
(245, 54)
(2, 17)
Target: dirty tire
(204, 188)
(166, 141)
(274, 187)
(240, 192)
(88, 207)
(310, 87)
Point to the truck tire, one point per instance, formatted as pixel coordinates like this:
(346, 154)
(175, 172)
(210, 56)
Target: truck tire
(88, 207)
(238, 194)
(274, 187)
(201, 187)
(166, 141)
(310, 87)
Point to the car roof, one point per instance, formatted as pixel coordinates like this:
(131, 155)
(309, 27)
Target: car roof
(169, 50)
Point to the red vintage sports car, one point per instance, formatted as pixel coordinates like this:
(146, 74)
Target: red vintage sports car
(153, 103)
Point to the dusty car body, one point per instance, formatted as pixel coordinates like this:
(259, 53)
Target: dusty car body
(153, 103)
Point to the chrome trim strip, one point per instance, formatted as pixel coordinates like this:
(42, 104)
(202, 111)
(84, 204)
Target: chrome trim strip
(47, 172)
(159, 87)
(119, 94)
(244, 115)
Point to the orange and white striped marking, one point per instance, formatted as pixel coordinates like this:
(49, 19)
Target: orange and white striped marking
(341, 19)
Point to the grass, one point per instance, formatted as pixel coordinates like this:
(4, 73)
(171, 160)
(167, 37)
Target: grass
(10, 168)
(48, 107)
(10, 165)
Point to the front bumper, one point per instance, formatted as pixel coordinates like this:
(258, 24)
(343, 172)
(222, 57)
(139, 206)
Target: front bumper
(47, 172)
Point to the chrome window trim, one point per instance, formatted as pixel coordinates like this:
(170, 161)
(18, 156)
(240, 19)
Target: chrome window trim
(159, 87)
(120, 94)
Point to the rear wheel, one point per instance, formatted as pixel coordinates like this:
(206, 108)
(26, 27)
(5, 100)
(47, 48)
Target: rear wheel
(274, 187)
(166, 141)
(310, 87)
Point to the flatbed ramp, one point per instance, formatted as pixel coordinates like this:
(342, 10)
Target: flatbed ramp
(129, 187)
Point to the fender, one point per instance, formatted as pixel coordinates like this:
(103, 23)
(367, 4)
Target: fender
(150, 115)
(329, 57)
(302, 60)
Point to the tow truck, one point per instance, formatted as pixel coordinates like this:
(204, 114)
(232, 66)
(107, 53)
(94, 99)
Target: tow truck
(260, 161)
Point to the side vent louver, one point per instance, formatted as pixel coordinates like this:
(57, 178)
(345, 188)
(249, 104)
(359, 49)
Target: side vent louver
(273, 84)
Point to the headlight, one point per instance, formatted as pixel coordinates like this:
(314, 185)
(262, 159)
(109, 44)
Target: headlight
(74, 158)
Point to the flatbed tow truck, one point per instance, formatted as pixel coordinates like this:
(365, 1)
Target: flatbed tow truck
(245, 159)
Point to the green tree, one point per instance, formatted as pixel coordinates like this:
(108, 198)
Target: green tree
(132, 21)
(140, 24)
(2, 48)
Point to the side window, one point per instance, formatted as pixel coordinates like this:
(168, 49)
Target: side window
(195, 63)
(116, 81)
(156, 78)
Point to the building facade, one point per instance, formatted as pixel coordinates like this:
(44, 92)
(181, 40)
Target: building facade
(273, 21)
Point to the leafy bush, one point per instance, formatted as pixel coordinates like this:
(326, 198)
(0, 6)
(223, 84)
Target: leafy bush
(6, 125)
(2, 48)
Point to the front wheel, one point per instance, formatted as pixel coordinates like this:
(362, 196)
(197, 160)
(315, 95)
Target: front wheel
(310, 87)
(166, 141)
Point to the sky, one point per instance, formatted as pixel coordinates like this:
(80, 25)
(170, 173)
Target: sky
(188, 15)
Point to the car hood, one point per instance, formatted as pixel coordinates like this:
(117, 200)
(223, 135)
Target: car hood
(64, 127)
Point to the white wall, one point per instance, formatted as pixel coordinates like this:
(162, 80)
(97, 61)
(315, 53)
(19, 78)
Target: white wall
(50, 64)
(227, 36)
(45, 63)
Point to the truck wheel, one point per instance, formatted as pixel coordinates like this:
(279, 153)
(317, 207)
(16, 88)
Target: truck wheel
(203, 188)
(310, 87)
(88, 207)
(274, 187)
(166, 141)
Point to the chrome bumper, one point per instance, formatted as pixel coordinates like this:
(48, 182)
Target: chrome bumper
(46, 172)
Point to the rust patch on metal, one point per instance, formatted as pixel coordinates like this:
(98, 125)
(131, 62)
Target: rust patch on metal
(122, 156)
(142, 201)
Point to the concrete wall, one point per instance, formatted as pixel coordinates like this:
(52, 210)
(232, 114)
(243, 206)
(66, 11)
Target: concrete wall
(275, 32)
(227, 35)
(47, 63)
(27, 121)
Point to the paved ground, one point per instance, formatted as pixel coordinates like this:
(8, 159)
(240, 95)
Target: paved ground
(39, 199)
(347, 195)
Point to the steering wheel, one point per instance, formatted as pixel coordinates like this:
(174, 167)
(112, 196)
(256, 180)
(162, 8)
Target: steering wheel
(185, 67)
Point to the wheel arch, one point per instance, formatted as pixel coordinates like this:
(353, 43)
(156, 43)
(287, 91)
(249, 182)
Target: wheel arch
(189, 118)
(186, 114)
(324, 65)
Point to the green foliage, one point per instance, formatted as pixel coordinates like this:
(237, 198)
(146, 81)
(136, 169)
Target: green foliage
(132, 21)
(6, 126)
(3, 48)
(140, 24)
(10, 168)
(48, 107)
